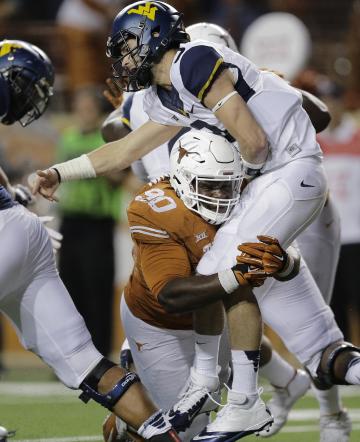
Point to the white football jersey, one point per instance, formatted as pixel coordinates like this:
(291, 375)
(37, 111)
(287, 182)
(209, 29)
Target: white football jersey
(155, 163)
(275, 104)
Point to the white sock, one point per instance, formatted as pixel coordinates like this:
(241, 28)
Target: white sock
(246, 367)
(329, 400)
(277, 371)
(206, 354)
(353, 374)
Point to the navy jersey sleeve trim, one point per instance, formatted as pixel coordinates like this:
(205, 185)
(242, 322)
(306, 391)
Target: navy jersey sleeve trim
(199, 67)
(243, 89)
(126, 111)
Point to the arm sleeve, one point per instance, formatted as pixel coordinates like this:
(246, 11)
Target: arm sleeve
(199, 68)
(161, 263)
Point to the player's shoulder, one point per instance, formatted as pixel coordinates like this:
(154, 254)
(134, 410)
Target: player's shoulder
(133, 114)
(156, 213)
(196, 66)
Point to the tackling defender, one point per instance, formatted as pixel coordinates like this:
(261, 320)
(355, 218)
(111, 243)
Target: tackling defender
(32, 295)
(169, 241)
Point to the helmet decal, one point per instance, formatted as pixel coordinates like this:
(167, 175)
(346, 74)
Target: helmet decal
(8, 47)
(147, 10)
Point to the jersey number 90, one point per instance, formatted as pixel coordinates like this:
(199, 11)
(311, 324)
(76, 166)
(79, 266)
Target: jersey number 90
(157, 200)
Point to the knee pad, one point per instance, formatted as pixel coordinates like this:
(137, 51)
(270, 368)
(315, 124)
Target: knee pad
(325, 374)
(109, 399)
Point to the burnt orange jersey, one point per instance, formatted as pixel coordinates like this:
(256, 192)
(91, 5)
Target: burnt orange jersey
(169, 242)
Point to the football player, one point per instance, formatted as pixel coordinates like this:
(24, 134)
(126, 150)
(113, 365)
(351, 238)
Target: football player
(319, 240)
(169, 241)
(32, 295)
(206, 86)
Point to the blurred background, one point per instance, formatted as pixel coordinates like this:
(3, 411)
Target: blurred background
(315, 44)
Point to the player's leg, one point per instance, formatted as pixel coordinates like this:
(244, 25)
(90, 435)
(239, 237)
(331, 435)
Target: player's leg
(276, 204)
(49, 325)
(163, 359)
(208, 324)
(289, 384)
(319, 245)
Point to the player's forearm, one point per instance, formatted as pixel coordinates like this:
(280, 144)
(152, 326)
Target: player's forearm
(191, 293)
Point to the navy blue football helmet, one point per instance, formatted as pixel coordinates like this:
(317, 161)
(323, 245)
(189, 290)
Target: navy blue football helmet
(29, 75)
(156, 27)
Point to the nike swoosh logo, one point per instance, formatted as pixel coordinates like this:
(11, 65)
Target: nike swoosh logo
(302, 184)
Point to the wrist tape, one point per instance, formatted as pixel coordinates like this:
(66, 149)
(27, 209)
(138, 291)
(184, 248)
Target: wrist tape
(76, 169)
(228, 281)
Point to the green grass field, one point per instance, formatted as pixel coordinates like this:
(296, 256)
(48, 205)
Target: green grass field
(47, 412)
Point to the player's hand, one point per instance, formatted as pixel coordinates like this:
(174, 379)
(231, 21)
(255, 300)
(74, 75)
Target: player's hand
(248, 276)
(113, 94)
(45, 182)
(266, 255)
(55, 236)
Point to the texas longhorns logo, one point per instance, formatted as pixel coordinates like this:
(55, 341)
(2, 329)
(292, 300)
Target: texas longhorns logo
(182, 152)
(147, 10)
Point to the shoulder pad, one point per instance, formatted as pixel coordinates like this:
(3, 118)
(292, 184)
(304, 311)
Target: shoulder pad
(199, 67)
(155, 213)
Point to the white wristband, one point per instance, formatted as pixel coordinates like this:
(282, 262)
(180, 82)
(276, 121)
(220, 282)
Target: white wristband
(293, 256)
(76, 169)
(221, 102)
(252, 165)
(228, 281)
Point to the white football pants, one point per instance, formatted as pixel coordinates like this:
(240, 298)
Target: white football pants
(281, 203)
(36, 301)
(163, 359)
(319, 245)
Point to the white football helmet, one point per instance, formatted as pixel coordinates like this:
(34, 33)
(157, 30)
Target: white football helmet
(212, 33)
(205, 171)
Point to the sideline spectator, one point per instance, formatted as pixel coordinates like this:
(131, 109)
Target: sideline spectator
(84, 25)
(89, 212)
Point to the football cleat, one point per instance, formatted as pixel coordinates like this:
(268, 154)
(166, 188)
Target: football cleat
(4, 434)
(234, 422)
(157, 427)
(335, 427)
(201, 394)
(284, 398)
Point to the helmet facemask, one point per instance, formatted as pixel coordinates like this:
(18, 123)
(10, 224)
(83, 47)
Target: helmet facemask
(139, 76)
(29, 95)
(205, 171)
(215, 198)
